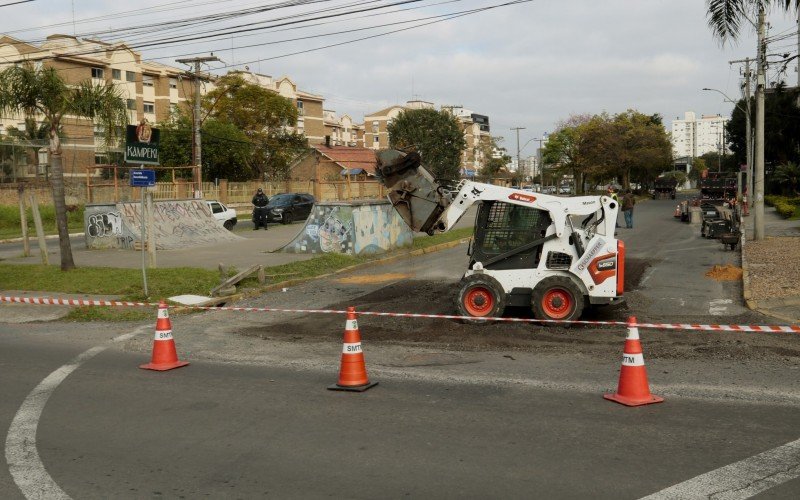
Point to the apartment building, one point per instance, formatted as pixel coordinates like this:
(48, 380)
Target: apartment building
(151, 91)
(693, 137)
(376, 125)
(342, 131)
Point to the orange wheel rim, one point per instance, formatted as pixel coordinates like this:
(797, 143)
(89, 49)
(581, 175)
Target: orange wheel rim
(479, 301)
(557, 303)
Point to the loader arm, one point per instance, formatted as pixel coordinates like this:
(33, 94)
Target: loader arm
(428, 206)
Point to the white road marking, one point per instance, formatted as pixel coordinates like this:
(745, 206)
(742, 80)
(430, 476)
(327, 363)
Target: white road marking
(718, 308)
(23, 459)
(743, 479)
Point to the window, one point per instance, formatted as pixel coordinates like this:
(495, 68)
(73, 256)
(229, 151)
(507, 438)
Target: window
(116, 74)
(149, 107)
(147, 80)
(97, 73)
(99, 130)
(375, 138)
(130, 76)
(216, 208)
(300, 124)
(173, 83)
(131, 103)
(100, 159)
(300, 108)
(374, 127)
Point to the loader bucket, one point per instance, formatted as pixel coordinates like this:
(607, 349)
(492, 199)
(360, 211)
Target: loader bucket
(413, 191)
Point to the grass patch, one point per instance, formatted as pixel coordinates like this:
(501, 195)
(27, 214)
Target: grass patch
(436, 239)
(162, 283)
(10, 221)
(107, 281)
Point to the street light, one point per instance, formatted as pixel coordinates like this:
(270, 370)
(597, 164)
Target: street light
(749, 146)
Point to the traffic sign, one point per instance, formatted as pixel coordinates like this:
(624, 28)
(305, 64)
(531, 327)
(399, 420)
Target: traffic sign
(143, 178)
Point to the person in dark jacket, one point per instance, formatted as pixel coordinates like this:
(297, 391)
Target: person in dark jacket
(628, 201)
(260, 202)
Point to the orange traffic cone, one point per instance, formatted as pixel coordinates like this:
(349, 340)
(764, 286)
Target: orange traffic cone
(633, 389)
(164, 355)
(353, 371)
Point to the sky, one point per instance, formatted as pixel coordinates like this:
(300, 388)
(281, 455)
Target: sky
(532, 64)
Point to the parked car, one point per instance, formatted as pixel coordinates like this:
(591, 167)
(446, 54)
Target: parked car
(565, 190)
(288, 207)
(549, 190)
(224, 215)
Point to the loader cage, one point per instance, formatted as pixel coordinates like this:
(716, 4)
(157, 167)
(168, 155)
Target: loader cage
(506, 235)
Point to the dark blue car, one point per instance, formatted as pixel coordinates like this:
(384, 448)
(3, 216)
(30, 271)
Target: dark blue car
(288, 207)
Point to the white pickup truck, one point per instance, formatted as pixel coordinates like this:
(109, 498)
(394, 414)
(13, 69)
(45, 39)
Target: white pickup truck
(224, 215)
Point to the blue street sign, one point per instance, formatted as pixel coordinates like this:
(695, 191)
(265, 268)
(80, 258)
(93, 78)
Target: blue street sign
(143, 178)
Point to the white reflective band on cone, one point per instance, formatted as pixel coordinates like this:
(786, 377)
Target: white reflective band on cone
(351, 324)
(163, 313)
(351, 348)
(632, 359)
(633, 333)
(163, 335)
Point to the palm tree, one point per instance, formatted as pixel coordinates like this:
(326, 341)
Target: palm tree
(24, 89)
(788, 175)
(725, 17)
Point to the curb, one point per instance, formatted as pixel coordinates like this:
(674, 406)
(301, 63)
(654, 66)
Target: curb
(48, 237)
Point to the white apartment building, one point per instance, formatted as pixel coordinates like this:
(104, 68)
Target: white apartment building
(692, 137)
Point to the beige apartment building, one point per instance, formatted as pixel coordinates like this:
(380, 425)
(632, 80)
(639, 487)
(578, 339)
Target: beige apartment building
(150, 89)
(342, 131)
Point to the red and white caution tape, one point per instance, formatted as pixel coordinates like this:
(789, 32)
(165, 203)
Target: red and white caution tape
(654, 326)
(48, 301)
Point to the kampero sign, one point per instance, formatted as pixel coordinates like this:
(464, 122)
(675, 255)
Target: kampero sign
(141, 144)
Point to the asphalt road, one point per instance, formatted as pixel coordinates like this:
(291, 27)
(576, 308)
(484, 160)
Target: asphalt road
(460, 411)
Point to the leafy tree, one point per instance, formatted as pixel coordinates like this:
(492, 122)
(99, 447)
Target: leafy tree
(493, 162)
(226, 149)
(566, 151)
(725, 17)
(265, 119)
(25, 89)
(697, 169)
(788, 176)
(435, 135)
(646, 149)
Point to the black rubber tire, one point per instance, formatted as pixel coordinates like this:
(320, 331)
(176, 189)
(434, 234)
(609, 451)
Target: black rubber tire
(547, 299)
(228, 225)
(287, 218)
(473, 292)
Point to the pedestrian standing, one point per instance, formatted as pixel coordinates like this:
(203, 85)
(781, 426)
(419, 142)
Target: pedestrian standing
(628, 201)
(260, 201)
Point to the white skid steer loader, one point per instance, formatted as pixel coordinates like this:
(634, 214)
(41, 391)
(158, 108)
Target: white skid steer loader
(556, 255)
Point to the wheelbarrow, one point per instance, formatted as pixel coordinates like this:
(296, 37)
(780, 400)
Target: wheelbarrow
(730, 239)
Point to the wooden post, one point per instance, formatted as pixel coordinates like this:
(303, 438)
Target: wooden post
(317, 182)
(151, 232)
(262, 278)
(88, 186)
(116, 185)
(37, 220)
(349, 188)
(223, 191)
(23, 221)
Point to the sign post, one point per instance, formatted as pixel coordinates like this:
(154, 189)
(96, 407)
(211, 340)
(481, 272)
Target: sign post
(143, 179)
(141, 146)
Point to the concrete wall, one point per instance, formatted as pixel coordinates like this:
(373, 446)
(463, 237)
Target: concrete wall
(355, 228)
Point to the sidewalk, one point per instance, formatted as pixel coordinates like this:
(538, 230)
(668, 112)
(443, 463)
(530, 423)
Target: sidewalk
(771, 277)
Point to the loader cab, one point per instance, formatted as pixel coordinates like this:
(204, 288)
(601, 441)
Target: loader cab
(508, 236)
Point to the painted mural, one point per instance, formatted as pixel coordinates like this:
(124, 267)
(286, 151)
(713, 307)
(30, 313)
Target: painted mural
(351, 228)
(176, 223)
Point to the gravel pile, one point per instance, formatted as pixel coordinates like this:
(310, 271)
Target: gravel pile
(774, 267)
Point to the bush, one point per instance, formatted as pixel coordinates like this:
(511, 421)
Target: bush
(771, 199)
(784, 209)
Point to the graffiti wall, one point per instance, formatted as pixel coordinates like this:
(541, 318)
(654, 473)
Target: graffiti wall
(353, 228)
(176, 224)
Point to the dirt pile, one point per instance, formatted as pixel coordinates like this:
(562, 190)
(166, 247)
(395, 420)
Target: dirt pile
(725, 273)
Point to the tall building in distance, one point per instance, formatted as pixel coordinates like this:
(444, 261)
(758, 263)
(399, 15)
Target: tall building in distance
(693, 137)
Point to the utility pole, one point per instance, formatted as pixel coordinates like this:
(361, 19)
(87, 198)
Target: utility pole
(758, 182)
(541, 162)
(197, 156)
(519, 165)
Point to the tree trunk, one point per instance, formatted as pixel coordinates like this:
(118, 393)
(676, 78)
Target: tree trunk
(57, 184)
